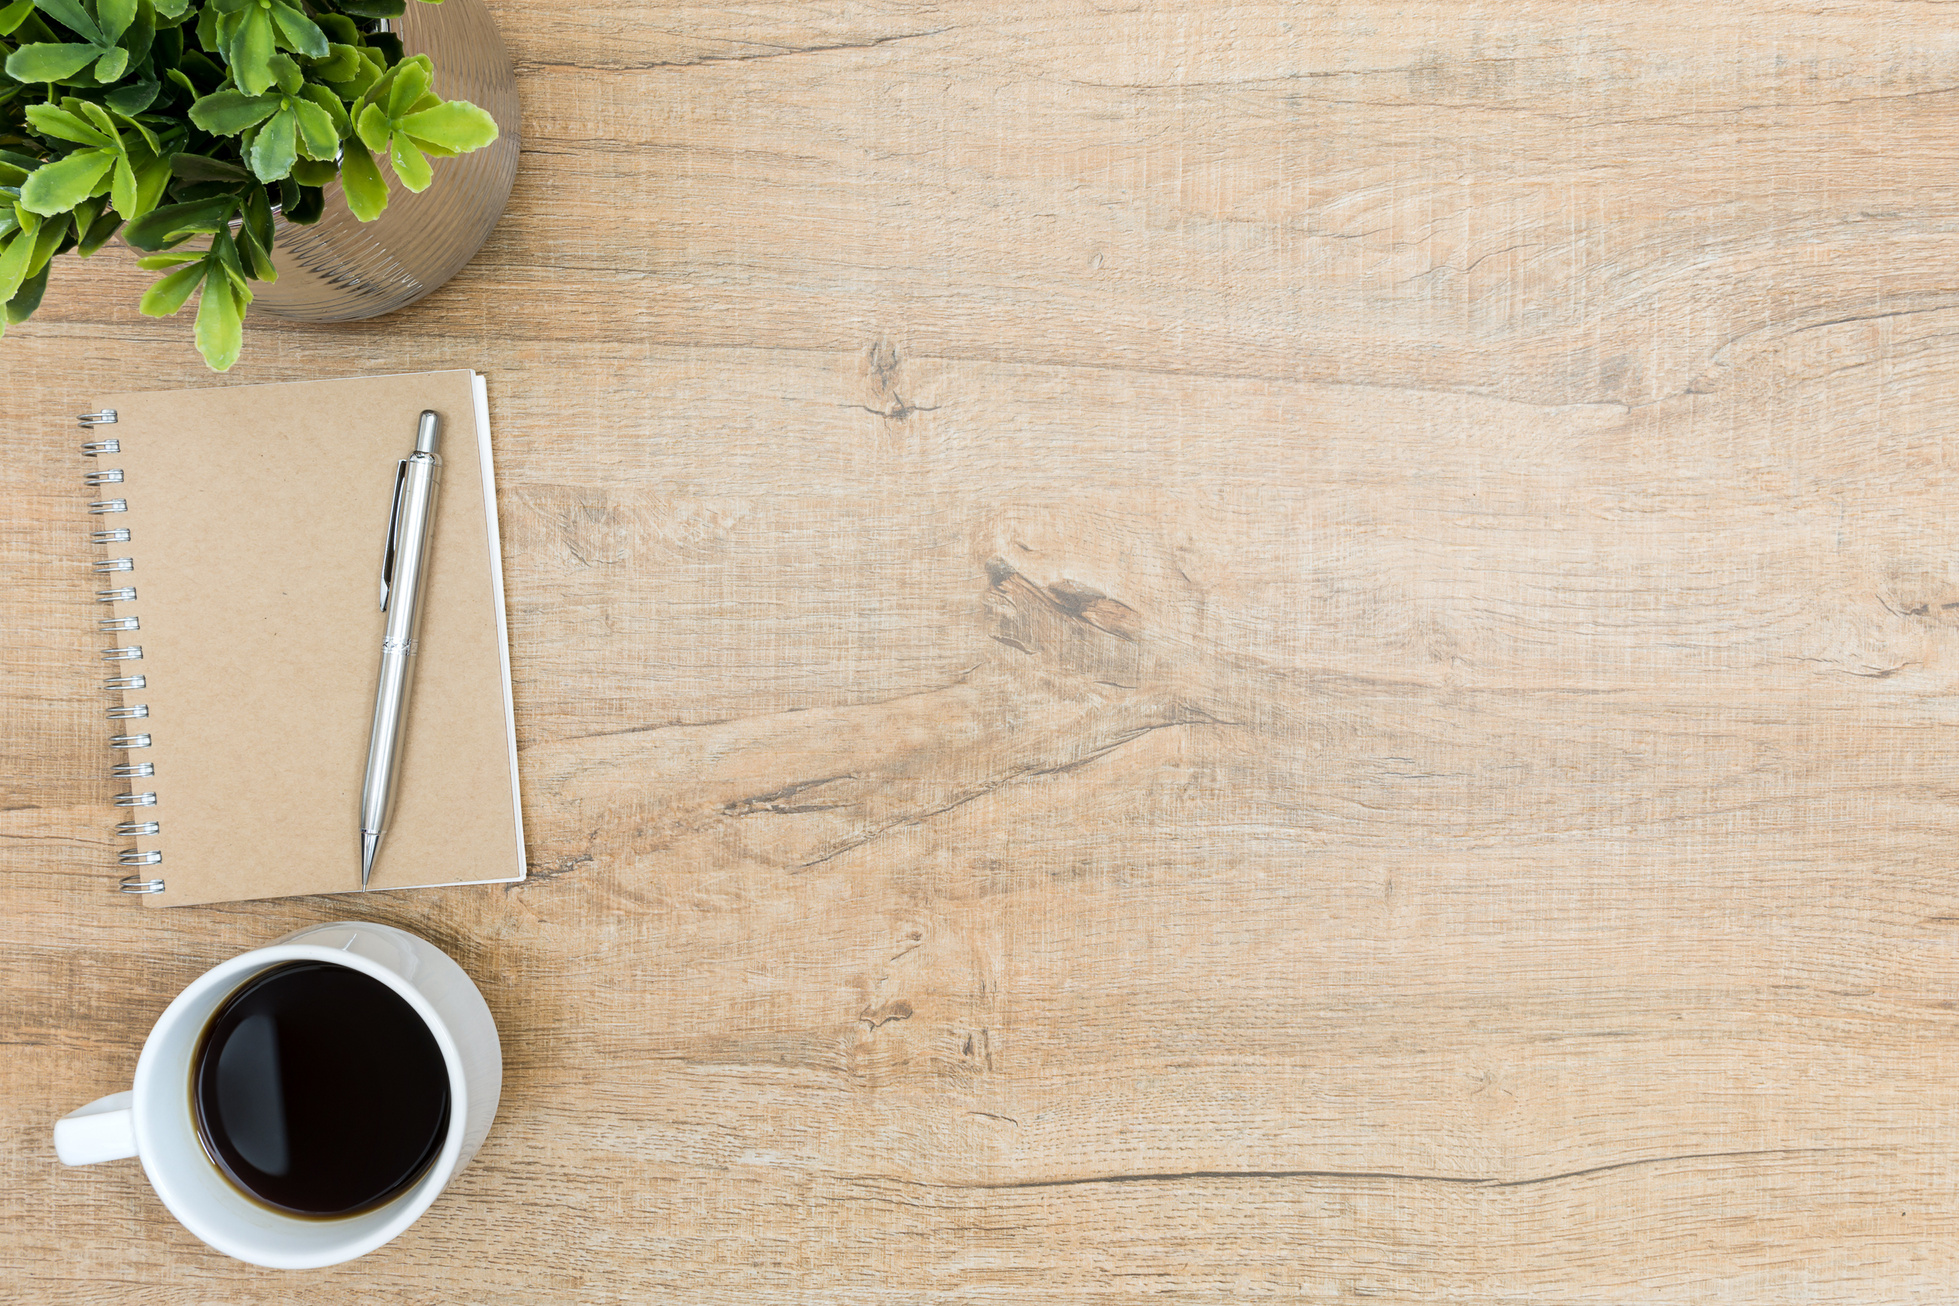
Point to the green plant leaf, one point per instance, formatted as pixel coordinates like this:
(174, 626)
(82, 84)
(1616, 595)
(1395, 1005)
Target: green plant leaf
(111, 65)
(12, 176)
(373, 8)
(57, 187)
(172, 9)
(199, 167)
(411, 84)
(203, 71)
(339, 29)
(220, 321)
(48, 120)
(50, 63)
(13, 261)
(377, 91)
(99, 118)
(171, 224)
(196, 192)
(316, 134)
(336, 112)
(168, 294)
(258, 216)
(225, 249)
(433, 151)
(140, 35)
(122, 187)
(409, 163)
(151, 179)
(149, 137)
(98, 234)
(311, 172)
(457, 125)
(71, 15)
(286, 74)
(114, 17)
(47, 240)
(306, 210)
(271, 155)
(11, 16)
(252, 48)
(132, 99)
(301, 33)
(28, 297)
(366, 189)
(227, 113)
(344, 62)
(258, 263)
(373, 128)
(351, 89)
(157, 262)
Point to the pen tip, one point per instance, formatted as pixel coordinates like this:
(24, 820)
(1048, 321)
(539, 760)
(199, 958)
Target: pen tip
(370, 840)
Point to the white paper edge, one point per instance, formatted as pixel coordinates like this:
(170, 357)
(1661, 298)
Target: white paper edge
(482, 393)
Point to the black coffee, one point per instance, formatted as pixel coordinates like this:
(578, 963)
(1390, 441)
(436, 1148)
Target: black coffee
(319, 1091)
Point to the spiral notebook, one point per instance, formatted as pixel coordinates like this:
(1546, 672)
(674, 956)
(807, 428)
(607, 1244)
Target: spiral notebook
(242, 549)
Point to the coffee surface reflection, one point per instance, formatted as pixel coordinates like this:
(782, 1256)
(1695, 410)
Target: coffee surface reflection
(319, 1091)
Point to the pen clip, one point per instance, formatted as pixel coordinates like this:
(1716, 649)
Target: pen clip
(394, 522)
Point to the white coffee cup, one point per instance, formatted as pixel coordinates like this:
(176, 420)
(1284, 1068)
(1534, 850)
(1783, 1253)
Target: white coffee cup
(154, 1120)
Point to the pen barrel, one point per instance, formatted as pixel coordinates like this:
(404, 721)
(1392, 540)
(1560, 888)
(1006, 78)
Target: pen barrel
(385, 740)
(413, 534)
(420, 480)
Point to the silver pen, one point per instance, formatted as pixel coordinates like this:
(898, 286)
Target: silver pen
(404, 568)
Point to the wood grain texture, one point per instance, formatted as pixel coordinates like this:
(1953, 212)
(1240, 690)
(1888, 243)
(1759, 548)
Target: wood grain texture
(1202, 653)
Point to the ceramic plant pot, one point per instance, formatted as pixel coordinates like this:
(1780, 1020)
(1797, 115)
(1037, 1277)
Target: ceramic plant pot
(340, 268)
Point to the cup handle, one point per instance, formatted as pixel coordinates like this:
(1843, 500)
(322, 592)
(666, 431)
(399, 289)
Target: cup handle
(100, 1131)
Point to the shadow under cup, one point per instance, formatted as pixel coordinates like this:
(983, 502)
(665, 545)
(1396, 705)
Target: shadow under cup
(193, 1186)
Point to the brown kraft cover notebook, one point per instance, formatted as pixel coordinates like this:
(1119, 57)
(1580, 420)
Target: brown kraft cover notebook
(256, 519)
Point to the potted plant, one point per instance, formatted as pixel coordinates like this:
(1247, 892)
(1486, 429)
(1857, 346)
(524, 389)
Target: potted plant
(183, 125)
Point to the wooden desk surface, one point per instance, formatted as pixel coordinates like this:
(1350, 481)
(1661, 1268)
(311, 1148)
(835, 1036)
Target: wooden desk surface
(1219, 653)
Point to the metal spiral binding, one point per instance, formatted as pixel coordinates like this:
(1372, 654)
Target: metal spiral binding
(130, 653)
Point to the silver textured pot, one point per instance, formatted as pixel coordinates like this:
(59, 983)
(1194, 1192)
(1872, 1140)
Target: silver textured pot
(340, 268)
